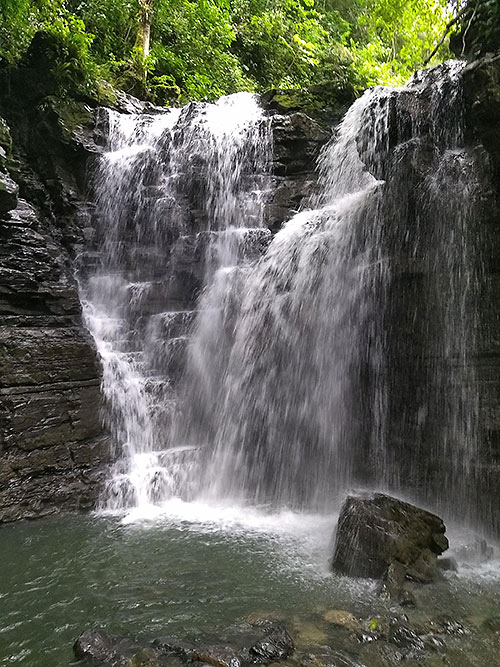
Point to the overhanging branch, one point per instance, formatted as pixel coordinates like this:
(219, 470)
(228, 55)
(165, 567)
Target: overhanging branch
(447, 29)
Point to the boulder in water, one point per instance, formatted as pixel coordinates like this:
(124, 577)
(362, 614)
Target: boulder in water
(395, 586)
(275, 645)
(100, 648)
(377, 530)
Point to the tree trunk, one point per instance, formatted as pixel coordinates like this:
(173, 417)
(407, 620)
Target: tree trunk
(145, 17)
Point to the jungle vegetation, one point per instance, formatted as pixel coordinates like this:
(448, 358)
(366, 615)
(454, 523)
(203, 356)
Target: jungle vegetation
(173, 51)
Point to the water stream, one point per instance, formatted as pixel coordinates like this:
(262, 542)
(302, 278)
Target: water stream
(248, 370)
(179, 205)
(197, 574)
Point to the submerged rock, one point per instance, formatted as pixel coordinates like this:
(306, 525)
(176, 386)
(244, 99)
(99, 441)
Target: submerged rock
(342, 619)
(404, 637)
(329, 658)
(308, 634)
(165, 646)
(395, 586)
(377, 531)
(218, 656)
(492, 623)
(271, 643)
(452, 626)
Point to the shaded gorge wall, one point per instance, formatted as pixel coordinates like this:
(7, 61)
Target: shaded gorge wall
(53, 447)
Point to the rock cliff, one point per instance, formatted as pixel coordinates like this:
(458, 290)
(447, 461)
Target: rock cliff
(52, 442)
(441, 314)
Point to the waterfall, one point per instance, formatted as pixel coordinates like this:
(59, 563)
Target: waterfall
(274, 406)
(337, 353)
(178, 197)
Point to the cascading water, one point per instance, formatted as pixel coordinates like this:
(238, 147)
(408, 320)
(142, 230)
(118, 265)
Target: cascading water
(293, 392)
(277, 418)
(178, 197)
(341, 357)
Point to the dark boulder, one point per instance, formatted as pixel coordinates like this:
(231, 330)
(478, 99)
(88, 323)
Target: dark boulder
(100, 648)
(275, 645)
(375, 531)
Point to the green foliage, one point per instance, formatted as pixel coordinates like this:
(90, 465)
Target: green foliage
(20, 20)
(73, 65)
(191, 45)
(201, 49)
(113, 24)
(396, 37)
(280, 42)
(478, 28)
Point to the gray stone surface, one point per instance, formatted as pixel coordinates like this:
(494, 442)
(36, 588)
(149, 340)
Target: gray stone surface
(376, 531)
(52, 447)
(52, 444)
(419, 409)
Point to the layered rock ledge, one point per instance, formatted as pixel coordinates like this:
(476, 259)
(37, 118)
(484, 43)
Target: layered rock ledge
(52, 443)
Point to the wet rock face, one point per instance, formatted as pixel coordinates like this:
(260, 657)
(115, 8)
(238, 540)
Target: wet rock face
(52, 444)
(377, 531)
(297, 143)
(8, 193)
(96, 647)
(441, 417)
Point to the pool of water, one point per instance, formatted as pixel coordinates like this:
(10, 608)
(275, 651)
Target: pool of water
(186, 570)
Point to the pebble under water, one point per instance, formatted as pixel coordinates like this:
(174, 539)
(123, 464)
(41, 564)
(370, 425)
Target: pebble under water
(191, 572)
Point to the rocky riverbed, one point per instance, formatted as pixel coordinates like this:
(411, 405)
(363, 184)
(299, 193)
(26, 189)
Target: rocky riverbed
(204, 576)
(377, 536)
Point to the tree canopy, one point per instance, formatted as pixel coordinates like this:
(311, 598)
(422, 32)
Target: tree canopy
(173, 51)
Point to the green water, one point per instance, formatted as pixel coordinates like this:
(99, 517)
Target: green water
(184, 578)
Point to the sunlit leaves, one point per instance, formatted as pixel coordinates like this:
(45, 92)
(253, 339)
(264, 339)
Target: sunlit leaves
(201, 49)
